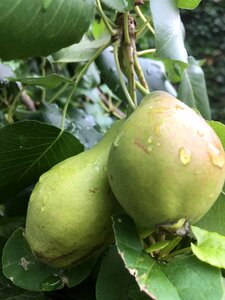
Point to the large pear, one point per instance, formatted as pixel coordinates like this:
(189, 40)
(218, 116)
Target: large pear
(166, 163)
(70, 209)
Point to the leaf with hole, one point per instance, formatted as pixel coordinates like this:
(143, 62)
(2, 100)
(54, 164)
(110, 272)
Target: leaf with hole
(25, 271)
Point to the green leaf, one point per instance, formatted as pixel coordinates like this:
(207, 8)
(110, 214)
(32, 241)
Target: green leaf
(80, 52)
(183, 278)
(25, 271)
(115, 277)
(214, 219)
(168, 30)
(14, 293)
(112, 277)
(37, 30)
(49, 113)
(46, 4)
(8, 226)
(98, 28)
(210, 247)
(188, 4)
(219, 128)
(174, 70)
(192, 89)
(51, 81)
(119, 5)
(5, 71)
(28, 149)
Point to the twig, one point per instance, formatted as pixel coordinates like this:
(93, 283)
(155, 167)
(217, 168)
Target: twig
(27, 101)
(112, 108)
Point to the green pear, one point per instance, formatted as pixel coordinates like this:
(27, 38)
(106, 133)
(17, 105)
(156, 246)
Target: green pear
(70, 208)
(166, 163)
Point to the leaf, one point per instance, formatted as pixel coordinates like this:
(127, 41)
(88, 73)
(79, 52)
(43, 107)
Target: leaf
(51, 81)
(74, 276)
(188, 4)
(219, 128)
(25, 271)
(49, 113)
(80, 52)
(119, 5)
(155, 75)
(28, 149)
(78, 122)
(19, 264)
(168, 30)
(35, 31)
(214, 219)
(85, 129)
(114, 277)
(134, 292)
(192, 89)
(17, 205)
(46, 4)
(98, 28)
(5, 71)
(8, 226)
(210, 247)
(14, 293)
(183, 278)
(174, 70)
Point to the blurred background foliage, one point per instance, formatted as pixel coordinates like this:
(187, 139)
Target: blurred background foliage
(205, 40)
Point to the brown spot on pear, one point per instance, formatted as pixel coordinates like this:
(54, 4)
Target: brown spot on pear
(176, 179)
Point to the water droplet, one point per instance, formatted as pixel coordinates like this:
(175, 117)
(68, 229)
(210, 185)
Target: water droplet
(21, 147)
(159, 110)
(117, 141)
(179, 107)
(52, 283)
(200, 132)
(150, 140)
(158, 129)
(216, 156)
(97, 168)
(45, 201)
(150, 146)
(185, 156)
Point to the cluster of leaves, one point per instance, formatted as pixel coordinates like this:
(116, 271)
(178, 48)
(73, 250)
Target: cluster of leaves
(39, 132)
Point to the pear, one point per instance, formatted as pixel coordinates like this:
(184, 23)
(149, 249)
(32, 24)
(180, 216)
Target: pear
(166, 163)
(69, 212)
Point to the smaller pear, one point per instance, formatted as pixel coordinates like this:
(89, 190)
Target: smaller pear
(70, 208)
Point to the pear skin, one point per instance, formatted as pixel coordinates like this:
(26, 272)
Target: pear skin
(166, 163)
(70, 208)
